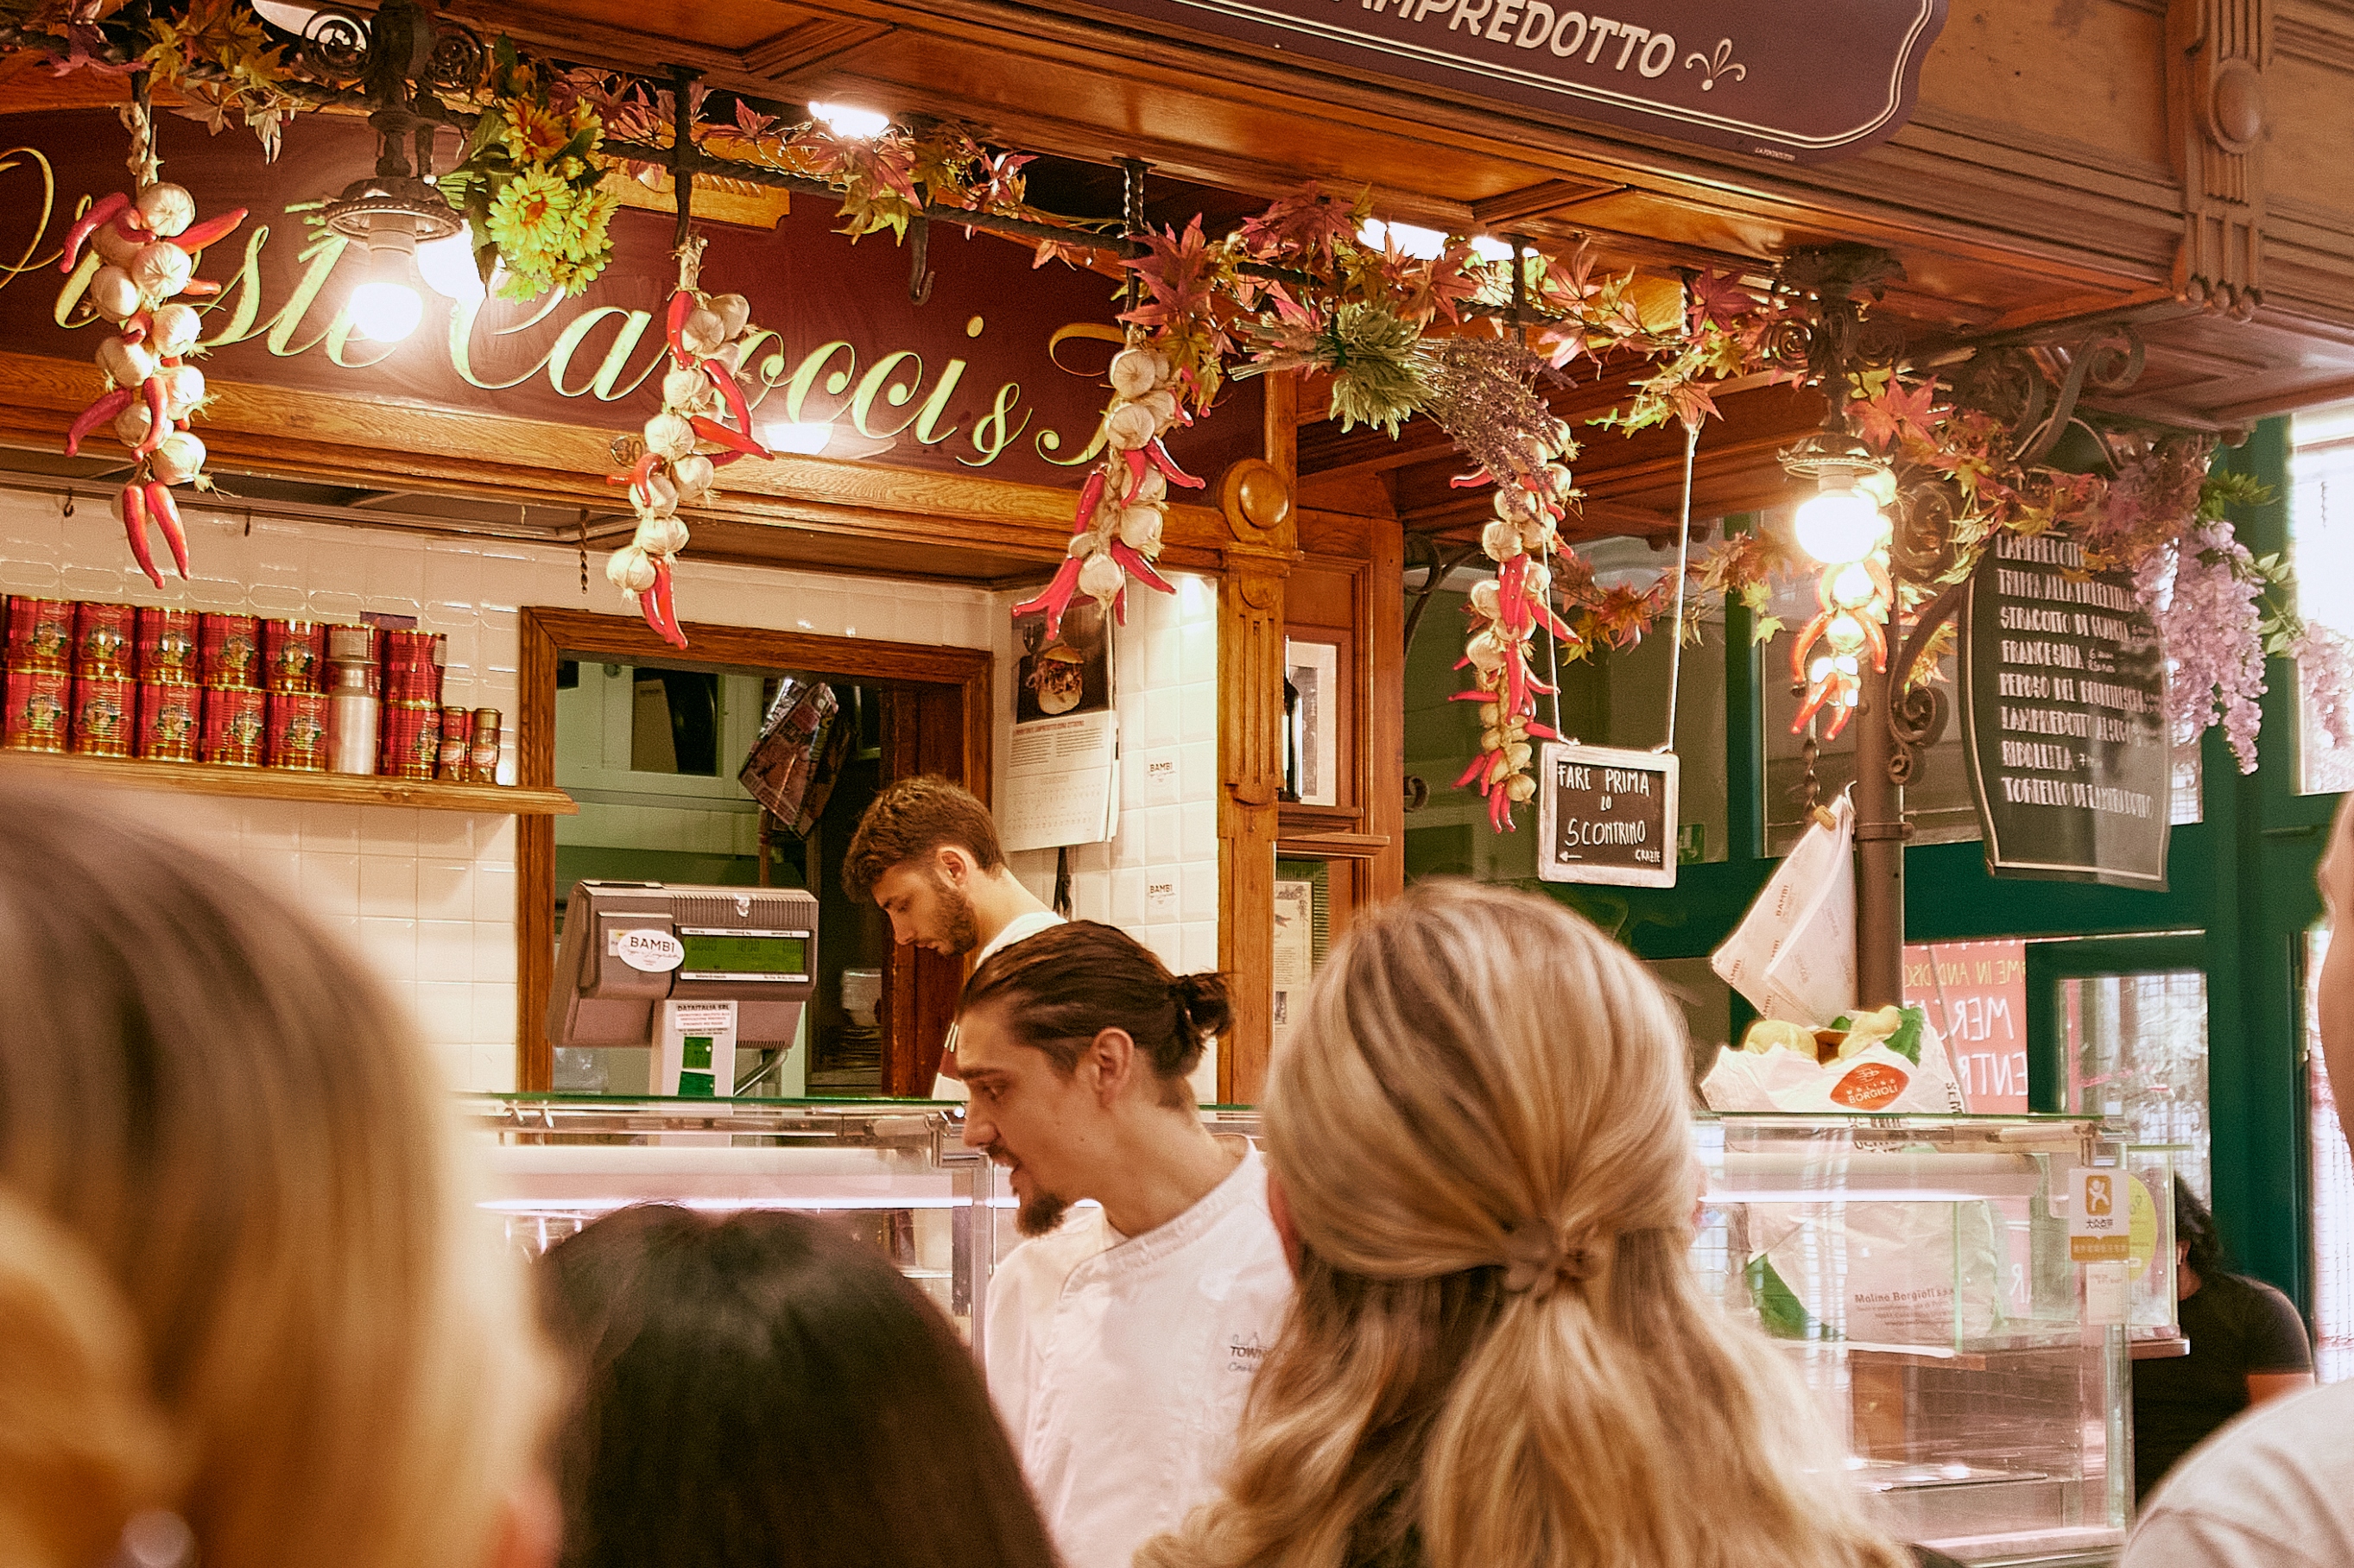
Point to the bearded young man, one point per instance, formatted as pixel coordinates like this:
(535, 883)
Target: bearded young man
(926, 851)
(1124, 1336)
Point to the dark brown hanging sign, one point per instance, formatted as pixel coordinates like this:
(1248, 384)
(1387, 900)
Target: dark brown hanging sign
(1805, 82)
(2064, 681)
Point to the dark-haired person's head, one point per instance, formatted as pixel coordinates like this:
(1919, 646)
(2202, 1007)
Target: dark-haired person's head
(1071, 1042)
(2196, 1243)
(759, 1390)
(919, 850)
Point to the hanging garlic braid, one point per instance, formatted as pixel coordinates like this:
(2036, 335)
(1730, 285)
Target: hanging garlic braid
(1500, 1357)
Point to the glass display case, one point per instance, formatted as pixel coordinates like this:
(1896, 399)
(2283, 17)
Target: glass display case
(893, 1173)
(1918, 1270)
(1921, 1274)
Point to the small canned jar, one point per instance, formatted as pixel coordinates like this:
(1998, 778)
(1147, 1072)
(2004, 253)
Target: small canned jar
(229, 650)
(40, 633)
(171, 720)
(234, 722)
(166, 644)
(483, 750)
(291, 651)
(40, 711)
(449, 761)
(412, 740)
(104, 715)
(296, 737)
(102, 644)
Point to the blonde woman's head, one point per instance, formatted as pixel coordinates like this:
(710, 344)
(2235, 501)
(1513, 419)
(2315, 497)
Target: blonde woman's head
(1500, 1357)
(310, 1351)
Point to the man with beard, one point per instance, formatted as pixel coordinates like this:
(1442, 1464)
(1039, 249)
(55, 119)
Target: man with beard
(927, 852)
(1122, 1339)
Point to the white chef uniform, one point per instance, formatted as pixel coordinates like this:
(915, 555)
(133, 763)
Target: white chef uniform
(1022, 925)
(1120, 1363)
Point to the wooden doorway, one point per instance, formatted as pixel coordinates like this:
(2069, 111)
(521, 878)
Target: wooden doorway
(939, 719)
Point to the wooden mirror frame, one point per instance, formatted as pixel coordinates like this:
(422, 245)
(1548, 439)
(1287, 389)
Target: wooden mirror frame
(946, 728)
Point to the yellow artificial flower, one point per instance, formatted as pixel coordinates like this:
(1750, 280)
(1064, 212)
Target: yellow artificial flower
(535, 132)
(533, 215)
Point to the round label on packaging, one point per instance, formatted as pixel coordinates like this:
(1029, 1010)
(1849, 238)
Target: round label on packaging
(655, 952)
(1868, 1086)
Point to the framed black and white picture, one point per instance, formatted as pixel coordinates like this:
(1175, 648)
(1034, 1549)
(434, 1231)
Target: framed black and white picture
(1314, 714)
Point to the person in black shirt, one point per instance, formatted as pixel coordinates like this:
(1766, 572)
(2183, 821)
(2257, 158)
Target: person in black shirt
(2247, 1345)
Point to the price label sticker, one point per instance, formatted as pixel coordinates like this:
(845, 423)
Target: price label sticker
(653, 952)
(2100, 1214)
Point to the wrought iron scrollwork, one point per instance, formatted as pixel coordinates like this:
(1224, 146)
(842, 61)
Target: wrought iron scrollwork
(1916, 720)
(335, 48)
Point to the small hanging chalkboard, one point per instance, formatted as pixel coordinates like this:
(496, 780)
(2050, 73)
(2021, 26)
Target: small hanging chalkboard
(1607, 815)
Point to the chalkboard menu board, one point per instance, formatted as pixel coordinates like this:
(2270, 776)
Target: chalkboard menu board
(1607, 815)
(2064, 682)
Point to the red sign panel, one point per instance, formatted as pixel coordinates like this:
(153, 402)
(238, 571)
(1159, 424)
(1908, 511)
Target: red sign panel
(999, 374)
(1976, 993)
(1805, 81)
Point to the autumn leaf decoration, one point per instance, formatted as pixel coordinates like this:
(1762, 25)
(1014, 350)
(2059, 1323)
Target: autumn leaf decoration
(1185, 276)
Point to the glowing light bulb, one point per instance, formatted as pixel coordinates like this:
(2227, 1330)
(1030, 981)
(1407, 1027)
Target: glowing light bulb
(448, 268)
(849, 122)
(385, 306)
(806, 438)
(1838, 525)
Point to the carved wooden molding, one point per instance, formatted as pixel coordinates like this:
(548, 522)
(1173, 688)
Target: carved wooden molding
(1264, 542)
(2216, 54)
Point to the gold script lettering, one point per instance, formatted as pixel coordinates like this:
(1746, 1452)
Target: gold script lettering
(797, 391)
(239, 325)
(927, 418)
(463, 313)
(991, 436)
(24, 263)
(862, 402)
(625, 338)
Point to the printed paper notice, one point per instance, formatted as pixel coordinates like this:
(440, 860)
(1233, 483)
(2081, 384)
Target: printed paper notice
(1062, 774)
(1295, 952)
(1061, 782)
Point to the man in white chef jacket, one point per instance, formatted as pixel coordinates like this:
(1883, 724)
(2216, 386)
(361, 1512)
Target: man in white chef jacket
(927, 852)
(1122, 1341)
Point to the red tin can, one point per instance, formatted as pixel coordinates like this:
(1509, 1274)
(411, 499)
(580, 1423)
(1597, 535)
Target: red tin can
(229, 650)
(297, 734)
(171, 719)
(412, 740)
(40, 711)
(234, 722)
(102, 644)
(40, 633)
(457, 730)
(104, 715)
(353, 644)
(166, 642)
(291, 651)
(406, 645)
(413, 684)
(483, 762)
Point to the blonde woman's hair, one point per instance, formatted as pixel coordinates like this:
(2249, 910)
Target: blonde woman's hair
(1500, 1356)
(307, 1343)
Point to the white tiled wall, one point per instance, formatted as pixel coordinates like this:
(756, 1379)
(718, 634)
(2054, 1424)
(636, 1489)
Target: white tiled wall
(428, 897)
(1158, 878)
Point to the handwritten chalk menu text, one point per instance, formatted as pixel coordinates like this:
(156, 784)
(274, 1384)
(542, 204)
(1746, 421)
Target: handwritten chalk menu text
(1606, 815)
(2065, 684)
